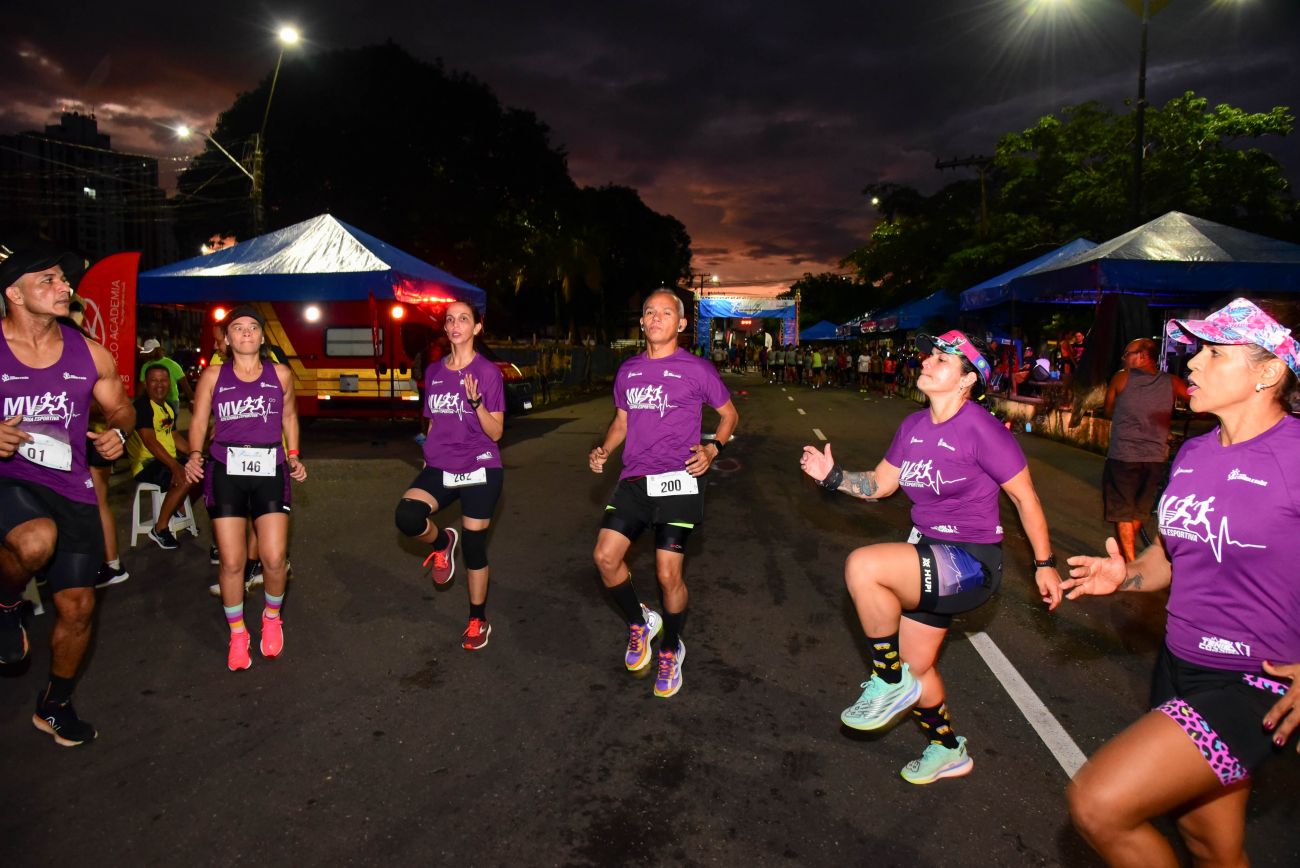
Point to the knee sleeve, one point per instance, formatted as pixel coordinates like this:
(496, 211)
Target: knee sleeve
(412, 516)
(474, 544)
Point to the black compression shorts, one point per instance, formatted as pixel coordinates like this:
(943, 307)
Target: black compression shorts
(79, 550)
(476, 501)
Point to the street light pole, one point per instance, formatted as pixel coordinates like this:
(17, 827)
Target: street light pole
(287, 36)
(1139, 138)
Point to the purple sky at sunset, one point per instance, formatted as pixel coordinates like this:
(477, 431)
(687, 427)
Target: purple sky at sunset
(755, 124)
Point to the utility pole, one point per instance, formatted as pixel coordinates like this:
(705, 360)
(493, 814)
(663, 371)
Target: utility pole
(981, 164)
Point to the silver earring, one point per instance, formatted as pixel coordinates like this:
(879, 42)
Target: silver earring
(1259, 387)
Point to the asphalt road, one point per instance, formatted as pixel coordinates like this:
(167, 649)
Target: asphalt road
(375, 739)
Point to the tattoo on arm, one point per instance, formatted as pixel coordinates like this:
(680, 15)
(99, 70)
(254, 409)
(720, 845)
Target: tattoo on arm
(1132, 583)
(861, 485)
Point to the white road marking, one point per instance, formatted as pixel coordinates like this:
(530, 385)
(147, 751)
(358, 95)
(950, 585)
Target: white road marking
(789, 397)
(1049, 729)
(801, 412)
(820, 435)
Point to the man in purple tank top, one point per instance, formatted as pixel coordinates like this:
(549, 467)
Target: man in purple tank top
(49, 518)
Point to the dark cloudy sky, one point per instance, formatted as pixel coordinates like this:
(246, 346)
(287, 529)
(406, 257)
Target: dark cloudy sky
(754, 123)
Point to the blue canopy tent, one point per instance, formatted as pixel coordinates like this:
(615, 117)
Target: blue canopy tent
(1169, 261)
(912, 314)
(997, 290)
(321, 259)
(822, 331)
(711, 307)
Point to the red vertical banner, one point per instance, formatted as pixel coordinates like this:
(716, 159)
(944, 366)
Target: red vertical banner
(109, 292)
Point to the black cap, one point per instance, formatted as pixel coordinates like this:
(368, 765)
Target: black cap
(37, 256)
(245, 310)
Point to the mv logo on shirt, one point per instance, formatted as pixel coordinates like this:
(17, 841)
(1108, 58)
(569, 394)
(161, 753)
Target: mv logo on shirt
(446, 403)
(247, 408)
(648, 398)
(41, 408)
(1190, 518)
(921, 474)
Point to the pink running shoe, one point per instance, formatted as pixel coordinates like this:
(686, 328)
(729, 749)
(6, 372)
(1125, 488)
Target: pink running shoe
(272, 636)
(237, 658)
(475, 637)
(442, 564)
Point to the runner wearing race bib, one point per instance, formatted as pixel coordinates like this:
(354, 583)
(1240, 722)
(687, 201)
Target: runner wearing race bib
(251, 401)
(465, 405)
(49, 515)
(952, 460)
(659, 396)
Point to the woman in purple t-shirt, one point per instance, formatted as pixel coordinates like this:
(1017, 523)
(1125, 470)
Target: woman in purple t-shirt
(951, 460)
(254, 454)
(1224, 694)
(464, 401)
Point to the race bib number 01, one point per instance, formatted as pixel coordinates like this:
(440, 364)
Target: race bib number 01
(671, 484)
(250, 461)
(47, 452)
(460, 480)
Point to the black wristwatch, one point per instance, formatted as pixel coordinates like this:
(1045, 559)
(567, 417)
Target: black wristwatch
(1050, 562)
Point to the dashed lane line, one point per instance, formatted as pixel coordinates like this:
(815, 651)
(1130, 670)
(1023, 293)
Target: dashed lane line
(801, 412)
(1049, 729)
(820, 435)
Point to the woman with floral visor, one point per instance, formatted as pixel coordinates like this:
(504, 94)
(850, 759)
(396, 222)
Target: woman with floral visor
(1223, 693)
(952, 460)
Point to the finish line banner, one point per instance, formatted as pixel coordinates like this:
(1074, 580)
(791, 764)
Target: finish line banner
(732, 307)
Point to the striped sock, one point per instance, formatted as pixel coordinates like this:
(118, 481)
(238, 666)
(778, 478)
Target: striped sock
(235, 618)
(273, 604)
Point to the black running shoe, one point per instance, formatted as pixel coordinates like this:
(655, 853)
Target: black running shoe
(109, 576)
(61, 721)
(214, 557)
(252, 574)
(13, 635)
(164, 538)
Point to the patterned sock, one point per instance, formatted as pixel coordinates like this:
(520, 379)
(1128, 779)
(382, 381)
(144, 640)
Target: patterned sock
(235, 618)
(936, 725)
(273, 604)
(673, 624)
(625, 598)
(884, 658)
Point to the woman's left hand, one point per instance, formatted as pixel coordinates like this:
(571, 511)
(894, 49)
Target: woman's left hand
(471, 388)
(1284, 716)
(1049, 586)
(297, 470)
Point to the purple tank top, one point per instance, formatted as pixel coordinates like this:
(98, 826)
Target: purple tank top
(55, 405)
(247, 414)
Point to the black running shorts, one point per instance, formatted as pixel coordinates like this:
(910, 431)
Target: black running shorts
(229, 496)
(956, 577)
(1128, 488)
(631, 509)
(476, 501)
(79, 550)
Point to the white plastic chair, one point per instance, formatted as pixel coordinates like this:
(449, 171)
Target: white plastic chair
(141, 525)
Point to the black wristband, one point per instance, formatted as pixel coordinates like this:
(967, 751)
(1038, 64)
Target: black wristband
(833, 479)
(475, 402)
(719, 444)
(1050, 562)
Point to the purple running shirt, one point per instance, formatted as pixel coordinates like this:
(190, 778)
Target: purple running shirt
(55, 405)
(664, 399)
(1230, 518)
(952, 472)
(456, 442)
(247, 414)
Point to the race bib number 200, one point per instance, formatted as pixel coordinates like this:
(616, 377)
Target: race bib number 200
(671, 484)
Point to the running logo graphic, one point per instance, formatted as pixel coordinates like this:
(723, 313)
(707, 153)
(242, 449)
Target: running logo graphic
(1188, 518)
(246, 408)
(41, 408)
(446, 403)
(68, 376)
(1237, 474)
(1215, 645)
(649, 398)
(921, 474)
(946, 446)
(7, 377)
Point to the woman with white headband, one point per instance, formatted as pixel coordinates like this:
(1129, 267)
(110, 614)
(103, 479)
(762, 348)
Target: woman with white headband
(1223, 694)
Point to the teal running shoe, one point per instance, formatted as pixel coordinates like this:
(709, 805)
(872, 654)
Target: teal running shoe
(881, 702)
(939, 762)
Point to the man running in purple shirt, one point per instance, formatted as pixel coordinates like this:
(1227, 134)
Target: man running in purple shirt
(659, 395)
(49, 517)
